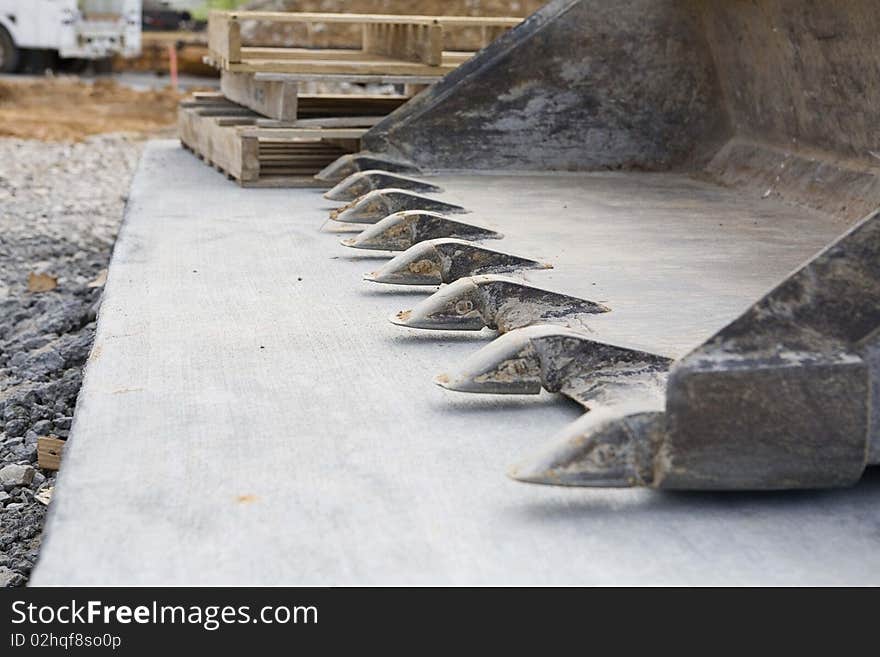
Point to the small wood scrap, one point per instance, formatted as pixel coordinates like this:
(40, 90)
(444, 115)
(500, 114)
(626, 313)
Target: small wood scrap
(49, 452)
(37, 283)
(100, 279)
(44, 496)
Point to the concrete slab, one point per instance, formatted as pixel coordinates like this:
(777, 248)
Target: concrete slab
(249, 416)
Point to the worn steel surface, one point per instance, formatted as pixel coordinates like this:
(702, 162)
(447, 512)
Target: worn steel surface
(496, 302)
(445, 261)
(250, 416)
(362, 182)
(401, 230)
(780, 97)
(363, 161)
(581, 84)
(379, 203)
(779, 398)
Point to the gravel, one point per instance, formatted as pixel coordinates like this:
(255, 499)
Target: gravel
(60, 209)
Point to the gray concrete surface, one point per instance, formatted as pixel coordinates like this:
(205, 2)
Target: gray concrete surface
(249, 415)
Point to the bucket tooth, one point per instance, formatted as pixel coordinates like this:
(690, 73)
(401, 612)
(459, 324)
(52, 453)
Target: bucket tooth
(363, 161)
(497, 302)
(783, 397)
(378, 204)
(559, 359)
(363, 182)
(457, 307)
(445, 261)
(509, 365)
(607, 448)
(401, 230)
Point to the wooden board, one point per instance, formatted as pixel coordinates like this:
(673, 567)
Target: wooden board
(276, 100)
(325, 122)
(50, 450)
(279, 101)
(394, 19)
(413, 43)
(224, 38)
(322, 66)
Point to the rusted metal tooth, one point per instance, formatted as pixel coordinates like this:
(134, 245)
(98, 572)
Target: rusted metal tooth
(378, 204)
(500, 303)
(399, 231)
(363, 161)
(446, 260)
(610, 447)
(559, 359)
(363, 182)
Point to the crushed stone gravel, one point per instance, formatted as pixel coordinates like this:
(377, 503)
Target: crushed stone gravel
(60, 209)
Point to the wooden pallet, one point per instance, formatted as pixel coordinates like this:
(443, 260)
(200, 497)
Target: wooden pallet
(280, 99)
(390, 45)
(232, 139)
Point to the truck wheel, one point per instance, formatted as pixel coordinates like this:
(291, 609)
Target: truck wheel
(9, 53)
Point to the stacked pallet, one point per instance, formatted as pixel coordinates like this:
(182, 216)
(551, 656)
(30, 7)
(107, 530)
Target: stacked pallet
(257, 152)
(262, 131)
(391, 45)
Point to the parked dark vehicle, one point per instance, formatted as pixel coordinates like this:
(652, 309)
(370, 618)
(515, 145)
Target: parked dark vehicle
(159, 17)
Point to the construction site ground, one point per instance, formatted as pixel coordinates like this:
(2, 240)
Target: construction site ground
(238, 347)
(68, 108)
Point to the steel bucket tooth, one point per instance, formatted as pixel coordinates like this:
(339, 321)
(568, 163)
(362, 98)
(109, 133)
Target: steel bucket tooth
(401, 230)
(606, 448)
(558, 359)
(346, 165)
(469, 304)
(446, 260)
(363, 182)
(374, 206)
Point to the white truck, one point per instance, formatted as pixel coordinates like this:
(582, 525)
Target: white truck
(74, 29)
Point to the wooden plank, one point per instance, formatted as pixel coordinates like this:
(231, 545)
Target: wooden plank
(324, 122)
(414, 43)
(50, 450)
(344, 54)
(207, 96)
(333, 67)
(330, 54)
(348, 105)
(391, 19)
(290, 134)
(373, 78)
(224, 37)
(275, 100)
(283, 182)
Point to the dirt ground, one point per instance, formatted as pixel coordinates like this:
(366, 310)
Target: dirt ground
(68, 109)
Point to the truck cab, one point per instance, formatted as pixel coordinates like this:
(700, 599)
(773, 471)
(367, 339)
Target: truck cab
(74, 29)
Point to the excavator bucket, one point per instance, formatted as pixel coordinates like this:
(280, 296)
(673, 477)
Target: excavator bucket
(702, 144)
(630, 247)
